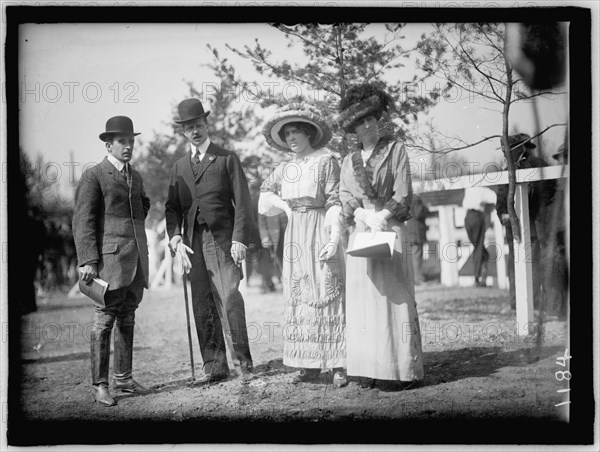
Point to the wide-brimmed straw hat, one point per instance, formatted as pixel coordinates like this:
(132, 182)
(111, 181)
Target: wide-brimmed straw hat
(297, 112)
(118, 124)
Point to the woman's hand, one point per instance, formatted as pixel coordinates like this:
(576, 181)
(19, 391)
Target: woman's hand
(328, 251)
(376, 220)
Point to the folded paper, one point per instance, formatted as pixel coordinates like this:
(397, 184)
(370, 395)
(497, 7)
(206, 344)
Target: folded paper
(373, 244)
(96, 290)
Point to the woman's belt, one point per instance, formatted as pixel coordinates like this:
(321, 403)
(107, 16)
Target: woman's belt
(306, 208)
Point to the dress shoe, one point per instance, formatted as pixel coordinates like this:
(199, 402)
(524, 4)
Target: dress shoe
(306, 375)
(130, 385)
(102, 395)
(367, 383)
(397, 385)
(339, 379)
(405, 385)
(247, 372)
(212, 378)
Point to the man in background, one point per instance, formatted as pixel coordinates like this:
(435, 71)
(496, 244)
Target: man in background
(475, 201)
(417, 235)
(541, 194)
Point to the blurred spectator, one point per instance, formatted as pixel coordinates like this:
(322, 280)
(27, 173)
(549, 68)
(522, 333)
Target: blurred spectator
(259, 257)
(561, 154)
(35, 233)
(272, 231)
(51, 274)
(557, 275)
(417, 235)
(541, 194)
(475, 201)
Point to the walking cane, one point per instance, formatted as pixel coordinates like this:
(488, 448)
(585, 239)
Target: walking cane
(187, 316)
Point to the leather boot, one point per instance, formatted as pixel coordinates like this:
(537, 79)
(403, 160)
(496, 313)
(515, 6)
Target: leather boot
(123, 380)
(100, 356)
(102, 395)
(100, 361)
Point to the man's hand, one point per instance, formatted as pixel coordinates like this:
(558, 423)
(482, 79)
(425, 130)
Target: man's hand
(266, 242)
(88, 272)
(504, 218)
(183, 260)
(238, 252)
(175, 240)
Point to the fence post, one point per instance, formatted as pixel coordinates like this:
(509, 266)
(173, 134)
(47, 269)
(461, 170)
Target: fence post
(448, 265)
(522, 261)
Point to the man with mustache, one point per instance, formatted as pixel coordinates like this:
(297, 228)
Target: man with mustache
(208, 208)
(110, 239)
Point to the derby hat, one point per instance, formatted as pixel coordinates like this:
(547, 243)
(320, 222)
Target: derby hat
(514, 141)
(297, 112)
(189, 110)
(118, 124)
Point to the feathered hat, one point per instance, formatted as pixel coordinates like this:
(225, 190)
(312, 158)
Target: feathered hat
(360, 101)
(296, 112)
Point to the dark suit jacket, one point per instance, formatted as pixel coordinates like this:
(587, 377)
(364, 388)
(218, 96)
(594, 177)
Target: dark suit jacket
(221, 194)
(416, 227)
(108, 224)
(540, 192)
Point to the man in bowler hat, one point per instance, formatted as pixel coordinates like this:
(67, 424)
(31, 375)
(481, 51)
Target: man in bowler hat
(110, 239)
(208, 208)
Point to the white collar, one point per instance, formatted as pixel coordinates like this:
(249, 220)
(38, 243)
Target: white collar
(202, 148)
(116, 162)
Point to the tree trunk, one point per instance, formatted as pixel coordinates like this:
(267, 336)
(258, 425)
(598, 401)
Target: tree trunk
(510, 199)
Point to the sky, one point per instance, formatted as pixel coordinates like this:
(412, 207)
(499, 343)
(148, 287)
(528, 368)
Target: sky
(73, 77)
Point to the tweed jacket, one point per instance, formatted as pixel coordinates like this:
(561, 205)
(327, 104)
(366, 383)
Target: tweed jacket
(108, 224)
(219, 192)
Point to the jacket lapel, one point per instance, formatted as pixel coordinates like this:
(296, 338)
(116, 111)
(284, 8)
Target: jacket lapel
(110, 169)
(208, 160)
(188, 172)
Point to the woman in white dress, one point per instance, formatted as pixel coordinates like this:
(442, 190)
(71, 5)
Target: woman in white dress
(306, 188)
(382, 325)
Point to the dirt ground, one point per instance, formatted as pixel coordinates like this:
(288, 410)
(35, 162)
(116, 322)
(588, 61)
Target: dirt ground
(476, 367)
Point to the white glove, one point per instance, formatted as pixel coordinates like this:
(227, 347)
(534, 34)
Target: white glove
(183, 261)
(360, 214)
(238, 252)
(276, 201)
(376, 220)
(331, 246)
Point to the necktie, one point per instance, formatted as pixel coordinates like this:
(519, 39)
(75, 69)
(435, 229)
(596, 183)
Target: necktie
(196, 161)
(125, 171)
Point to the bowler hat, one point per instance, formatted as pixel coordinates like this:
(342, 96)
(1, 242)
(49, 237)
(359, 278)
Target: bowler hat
(118, 124)
(518, 139)
(189, 110)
